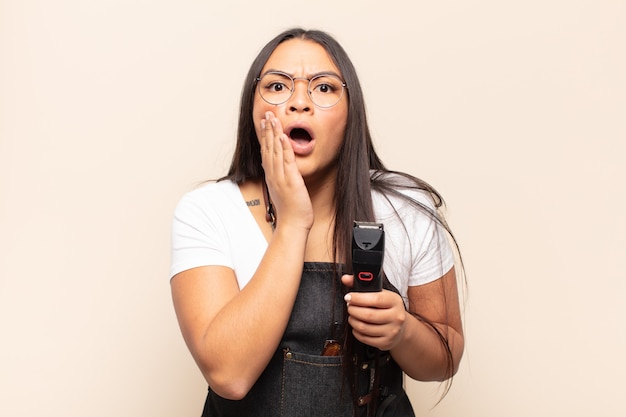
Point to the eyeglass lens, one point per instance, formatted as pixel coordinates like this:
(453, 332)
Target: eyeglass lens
(324, 90)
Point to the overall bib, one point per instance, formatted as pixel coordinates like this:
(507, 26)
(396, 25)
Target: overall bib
(298, 381)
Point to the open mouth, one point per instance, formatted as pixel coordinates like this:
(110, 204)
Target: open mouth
(300, 135)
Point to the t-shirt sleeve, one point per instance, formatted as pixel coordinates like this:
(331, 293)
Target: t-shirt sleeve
(198, 236)
(432, 255)
(418, 250)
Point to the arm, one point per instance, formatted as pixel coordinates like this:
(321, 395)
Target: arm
(380, 320)
(222, 325)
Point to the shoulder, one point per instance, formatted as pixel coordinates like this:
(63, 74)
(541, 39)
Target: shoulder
(394, 193)
(417, 249)
(209, 203)
(212, 190)
(209, 196)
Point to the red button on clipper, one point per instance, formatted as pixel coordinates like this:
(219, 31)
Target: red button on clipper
(366, 276)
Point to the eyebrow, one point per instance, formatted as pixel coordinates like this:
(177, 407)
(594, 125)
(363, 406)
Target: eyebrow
(308, 77)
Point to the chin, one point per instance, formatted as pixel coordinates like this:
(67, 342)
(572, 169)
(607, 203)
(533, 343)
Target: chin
(315, 174)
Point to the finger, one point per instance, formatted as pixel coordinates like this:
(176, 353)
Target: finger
(277, 127)
(367, 315)
(289, 157)
(347, 280)
(266, 143)
(382, 300)
(382, 343)
(279, 139)
(286, 159)
(267, 131)
(387, 330)
(370, 331)
(272, 148)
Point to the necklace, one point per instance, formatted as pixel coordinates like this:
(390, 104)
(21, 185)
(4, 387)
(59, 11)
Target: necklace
(270, 216)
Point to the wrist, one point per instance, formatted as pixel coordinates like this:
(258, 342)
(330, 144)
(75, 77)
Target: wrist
(291, 232)
(407, 332)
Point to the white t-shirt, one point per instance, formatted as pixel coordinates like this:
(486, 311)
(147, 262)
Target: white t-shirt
(213, 226)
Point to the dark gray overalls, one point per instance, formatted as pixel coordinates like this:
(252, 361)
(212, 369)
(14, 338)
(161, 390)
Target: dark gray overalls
(298, 382)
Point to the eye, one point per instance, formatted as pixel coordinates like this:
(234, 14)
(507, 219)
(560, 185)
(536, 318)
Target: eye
(276, 83)
(276, 87)
(324, 88)
(325, 85)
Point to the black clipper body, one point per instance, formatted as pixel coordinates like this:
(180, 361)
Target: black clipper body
(368, 249)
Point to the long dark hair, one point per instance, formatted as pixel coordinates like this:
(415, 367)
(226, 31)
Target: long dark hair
(353, 190)
(357, 159)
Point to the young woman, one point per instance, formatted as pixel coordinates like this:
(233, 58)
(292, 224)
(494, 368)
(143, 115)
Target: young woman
(261, 258)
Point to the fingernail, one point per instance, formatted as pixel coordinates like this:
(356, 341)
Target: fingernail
(347, 298)
(262, 123)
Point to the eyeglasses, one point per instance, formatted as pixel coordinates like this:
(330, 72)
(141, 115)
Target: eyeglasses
(325, 90)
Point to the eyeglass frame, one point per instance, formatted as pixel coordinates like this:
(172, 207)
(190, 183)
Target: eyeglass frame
(344, 85)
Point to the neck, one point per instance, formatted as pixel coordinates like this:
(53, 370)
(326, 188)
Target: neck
(322, 194)
(320, 241)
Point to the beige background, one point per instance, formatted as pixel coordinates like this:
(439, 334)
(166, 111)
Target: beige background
(112, 109)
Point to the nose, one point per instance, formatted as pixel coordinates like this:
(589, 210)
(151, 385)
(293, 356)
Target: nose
(300, 99)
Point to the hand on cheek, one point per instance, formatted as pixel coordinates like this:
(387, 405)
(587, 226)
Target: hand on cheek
(284, 182)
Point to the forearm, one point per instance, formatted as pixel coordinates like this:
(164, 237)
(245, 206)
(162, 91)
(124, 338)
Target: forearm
(422, 354)
(254, 320)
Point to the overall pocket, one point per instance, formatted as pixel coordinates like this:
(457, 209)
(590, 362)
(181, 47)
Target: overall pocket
(312, 386)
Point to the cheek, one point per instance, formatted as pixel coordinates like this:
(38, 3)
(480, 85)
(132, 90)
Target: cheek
(258, 113)
(338, 130)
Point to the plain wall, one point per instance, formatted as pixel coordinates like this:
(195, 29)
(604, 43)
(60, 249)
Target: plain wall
(111, 110)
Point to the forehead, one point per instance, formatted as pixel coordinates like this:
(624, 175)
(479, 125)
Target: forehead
(300, 57)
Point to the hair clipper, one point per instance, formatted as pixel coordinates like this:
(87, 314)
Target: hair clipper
(368, 249)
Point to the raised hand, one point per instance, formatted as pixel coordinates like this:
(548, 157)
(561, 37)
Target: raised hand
(284, 182)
